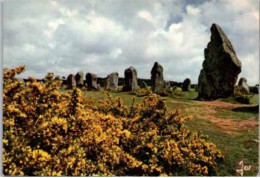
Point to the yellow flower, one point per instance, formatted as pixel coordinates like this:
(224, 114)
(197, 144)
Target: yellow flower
(127, 133)
(5, 141)
(41, 155)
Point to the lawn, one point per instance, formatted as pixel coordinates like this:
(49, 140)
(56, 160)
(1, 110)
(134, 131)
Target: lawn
(233, 127)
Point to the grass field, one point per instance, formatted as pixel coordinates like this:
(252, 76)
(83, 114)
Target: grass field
(232, 126)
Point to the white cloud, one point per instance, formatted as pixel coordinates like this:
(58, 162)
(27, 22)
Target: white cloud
(147, 16)
(103, 37)
(192, 10)
(52, 26)
(29, 48)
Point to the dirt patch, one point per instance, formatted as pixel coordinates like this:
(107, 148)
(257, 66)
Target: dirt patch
(208, 110)
(230, 125)
(213, 104)
(220, 104)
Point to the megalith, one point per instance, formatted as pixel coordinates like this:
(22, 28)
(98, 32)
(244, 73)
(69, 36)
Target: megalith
(186, 85)
(79, 79)
(221, 67)
(130, 79)
(112, 81)
(243, 84)
(91, 80)
(71, 82)
(157, 81)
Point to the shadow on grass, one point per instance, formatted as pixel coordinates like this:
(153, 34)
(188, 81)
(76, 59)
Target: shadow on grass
(251, 109)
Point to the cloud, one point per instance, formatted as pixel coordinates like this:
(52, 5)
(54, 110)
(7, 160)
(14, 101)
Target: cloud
(102, 37)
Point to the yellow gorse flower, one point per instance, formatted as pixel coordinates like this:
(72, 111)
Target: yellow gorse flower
(41, 155)
(48, 132)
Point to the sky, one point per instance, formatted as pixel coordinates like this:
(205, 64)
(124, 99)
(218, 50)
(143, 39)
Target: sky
(105, 36)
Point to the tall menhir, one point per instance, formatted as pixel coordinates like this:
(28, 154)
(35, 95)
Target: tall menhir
(221, 67)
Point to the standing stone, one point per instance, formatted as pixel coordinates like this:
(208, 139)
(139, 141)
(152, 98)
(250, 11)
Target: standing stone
(71, 82)
(130, 79)
(256, 89)
(243, 83)
(57, 77)
(157, 81)
(186, 85)
(91, 80)
(79, 79)
(220, 68)
(112, 81)
(143, 84)
(64, 81)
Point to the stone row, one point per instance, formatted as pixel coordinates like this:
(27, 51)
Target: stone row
(217, 78)
(130, 80)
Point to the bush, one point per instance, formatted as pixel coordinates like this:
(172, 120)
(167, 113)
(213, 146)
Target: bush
(163, 92)
(143, 92)
(50, 133)
(176, 93)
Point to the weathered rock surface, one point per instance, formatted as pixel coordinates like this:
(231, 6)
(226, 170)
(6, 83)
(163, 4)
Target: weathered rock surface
(143, 84)
(243, 83)
(79, 79)
(186, 85)
(130, 79)
(220, 67)
(157, 81)
(112, 81)
(91, 80)
(71, 82)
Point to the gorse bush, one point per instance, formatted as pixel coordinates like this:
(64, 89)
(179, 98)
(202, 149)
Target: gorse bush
(51, 133)
(143, 92)
(176, 93)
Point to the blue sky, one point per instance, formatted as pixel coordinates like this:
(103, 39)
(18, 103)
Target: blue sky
(65, 36)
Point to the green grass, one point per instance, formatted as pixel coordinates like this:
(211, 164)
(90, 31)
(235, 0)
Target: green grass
(125, 96)
(190, 95)
(237, 115)
(187, 95)
(234, 146)
(253, 99)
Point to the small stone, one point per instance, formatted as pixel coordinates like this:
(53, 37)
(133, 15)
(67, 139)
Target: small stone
(243, 84)
(57, 77)
(186, 85)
